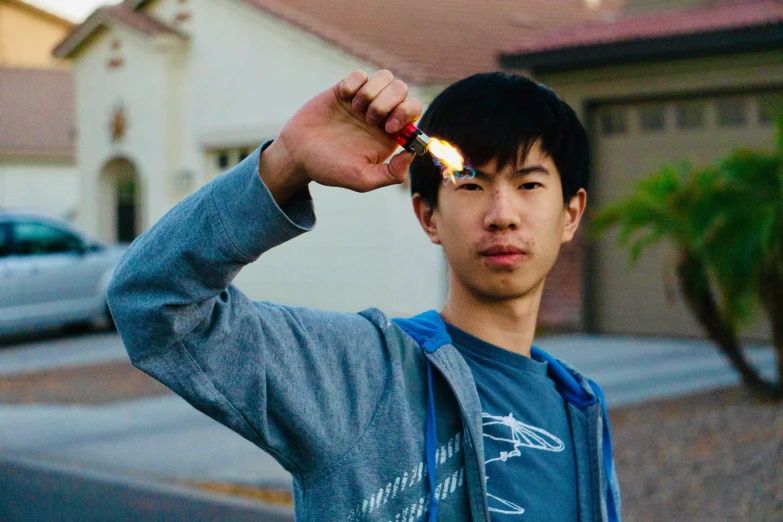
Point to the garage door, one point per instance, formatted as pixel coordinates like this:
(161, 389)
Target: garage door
(632, 141)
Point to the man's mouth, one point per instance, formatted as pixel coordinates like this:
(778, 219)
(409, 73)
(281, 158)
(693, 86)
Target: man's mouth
(503, 255)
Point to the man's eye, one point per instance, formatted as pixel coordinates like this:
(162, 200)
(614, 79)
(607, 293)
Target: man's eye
(470, 186)
(531, 185)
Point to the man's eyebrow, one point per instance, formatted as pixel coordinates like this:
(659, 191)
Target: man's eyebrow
(532, 168)
(518, 174)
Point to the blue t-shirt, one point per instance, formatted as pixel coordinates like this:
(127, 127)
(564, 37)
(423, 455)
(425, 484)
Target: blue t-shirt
(528, 449)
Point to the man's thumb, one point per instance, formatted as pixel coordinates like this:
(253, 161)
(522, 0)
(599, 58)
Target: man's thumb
(391, 173)
(398, 165)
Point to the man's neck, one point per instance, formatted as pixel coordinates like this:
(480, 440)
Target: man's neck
(509, 324)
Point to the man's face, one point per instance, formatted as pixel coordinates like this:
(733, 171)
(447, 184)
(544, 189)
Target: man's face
(502, 230)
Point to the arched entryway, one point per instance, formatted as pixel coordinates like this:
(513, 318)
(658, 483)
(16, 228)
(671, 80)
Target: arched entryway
(120, 201)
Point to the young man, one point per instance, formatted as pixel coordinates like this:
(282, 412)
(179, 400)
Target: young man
(446, 416)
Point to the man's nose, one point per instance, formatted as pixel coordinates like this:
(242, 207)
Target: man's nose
(501, 214)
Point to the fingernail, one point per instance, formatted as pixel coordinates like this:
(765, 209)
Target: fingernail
(393, 125)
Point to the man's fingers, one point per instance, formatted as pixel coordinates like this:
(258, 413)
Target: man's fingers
(351, 85)
(405, 112)
(381, 97)
(385, 102)
(367, 93)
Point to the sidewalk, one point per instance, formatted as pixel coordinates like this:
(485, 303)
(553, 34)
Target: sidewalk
(633, 370)
(68, 352)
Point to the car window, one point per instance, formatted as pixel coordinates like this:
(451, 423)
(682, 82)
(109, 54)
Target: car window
(5, 240)
(31, 239)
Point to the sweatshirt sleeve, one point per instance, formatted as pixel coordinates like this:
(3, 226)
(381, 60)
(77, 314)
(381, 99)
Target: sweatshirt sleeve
(300, 383)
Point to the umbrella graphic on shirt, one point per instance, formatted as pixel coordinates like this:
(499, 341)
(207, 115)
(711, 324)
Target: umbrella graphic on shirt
(512, 436)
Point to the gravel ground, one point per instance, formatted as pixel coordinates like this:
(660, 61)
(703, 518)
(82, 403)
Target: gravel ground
(95, 384)
(715, 456)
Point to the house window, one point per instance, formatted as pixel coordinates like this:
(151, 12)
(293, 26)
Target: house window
(690, 115)
(223, 159)
(770, 107)
(614, 121)
(652, 118)
(732, 112)
(219, 160)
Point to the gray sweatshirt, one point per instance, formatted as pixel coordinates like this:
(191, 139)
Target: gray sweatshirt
(375, 419)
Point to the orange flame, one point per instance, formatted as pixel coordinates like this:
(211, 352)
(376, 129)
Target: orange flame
(448, 157)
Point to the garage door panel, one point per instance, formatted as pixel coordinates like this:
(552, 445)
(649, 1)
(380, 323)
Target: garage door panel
(652, 302)
(631, 144)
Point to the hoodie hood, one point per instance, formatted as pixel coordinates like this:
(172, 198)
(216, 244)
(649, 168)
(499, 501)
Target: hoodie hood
(429, 330)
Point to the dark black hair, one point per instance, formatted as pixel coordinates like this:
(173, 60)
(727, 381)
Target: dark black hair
(494, 116)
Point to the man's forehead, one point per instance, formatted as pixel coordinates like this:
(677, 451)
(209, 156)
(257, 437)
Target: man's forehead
(525, 160)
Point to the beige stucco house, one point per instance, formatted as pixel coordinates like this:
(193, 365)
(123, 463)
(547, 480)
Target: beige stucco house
(655, 88)
(28, 35)
(37, 134)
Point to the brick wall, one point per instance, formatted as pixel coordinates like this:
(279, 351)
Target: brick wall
(562, 302)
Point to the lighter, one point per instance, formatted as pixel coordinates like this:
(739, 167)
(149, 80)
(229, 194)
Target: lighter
(412, 139)
(444, 154)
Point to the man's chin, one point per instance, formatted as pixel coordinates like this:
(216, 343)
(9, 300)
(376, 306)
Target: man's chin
(505, 292)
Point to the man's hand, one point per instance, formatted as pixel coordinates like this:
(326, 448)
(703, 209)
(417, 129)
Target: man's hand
(342, 137)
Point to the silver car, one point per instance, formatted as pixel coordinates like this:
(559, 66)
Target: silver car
(51, 274)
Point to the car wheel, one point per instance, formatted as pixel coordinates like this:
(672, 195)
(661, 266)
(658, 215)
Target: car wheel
(104, 321)
(109, 320)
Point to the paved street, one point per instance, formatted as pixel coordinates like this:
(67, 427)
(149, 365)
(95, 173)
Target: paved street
(43, 492)
(162, 440)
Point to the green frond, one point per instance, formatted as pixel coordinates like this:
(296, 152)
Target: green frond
(779, 133)
(643, 242)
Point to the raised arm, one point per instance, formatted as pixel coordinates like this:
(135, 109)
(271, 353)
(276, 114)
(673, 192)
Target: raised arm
(298, 382)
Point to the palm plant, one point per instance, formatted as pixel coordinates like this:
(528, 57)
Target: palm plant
(726, 223)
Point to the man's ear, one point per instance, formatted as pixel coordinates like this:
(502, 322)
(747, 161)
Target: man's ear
(573, 215)
(427, 219)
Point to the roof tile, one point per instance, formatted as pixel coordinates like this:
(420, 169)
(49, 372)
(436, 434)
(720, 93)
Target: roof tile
(424, 42)
(37, 116)
(432, 41)
(712, 18)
